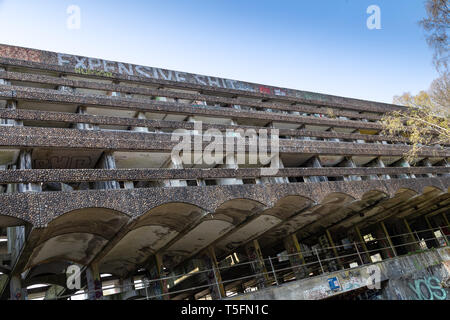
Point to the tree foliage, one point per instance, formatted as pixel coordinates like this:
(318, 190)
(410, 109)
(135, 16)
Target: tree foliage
(436, 25)
(425, 120)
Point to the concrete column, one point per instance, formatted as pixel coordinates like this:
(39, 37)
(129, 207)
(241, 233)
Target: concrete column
(415, 244)
(10, 105)
(376, 163)
(296, 258)
(349, 163)
(333, 246)
(2, 188)
(363, 243)
(258, 266)
(426, 162)
(174, 164)
(140, 115)
(430, 226)
(279, 164)
(213, 276)
(107, 161)
(391, 244)
(155, 271)
(25, 162)
(405, 164)
(94, 282)
(4, 81)
(16, 287)
(315, 163)
(333, 139)
(444, 216)
(230, 163)
(83, 126)
(126, 285)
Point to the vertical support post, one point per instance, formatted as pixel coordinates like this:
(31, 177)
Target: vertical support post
(218, 278)
(318, 259)
(17, 292)
(259, 268)
(357, 251)
(158, 286)
(444, 236)
(336, 255)
(388, 238)
(273, 271)
(444, 216)
(296, 258)
(430, 226)
(411, 234)
(107, 161)
(94, 282)
(363, 243)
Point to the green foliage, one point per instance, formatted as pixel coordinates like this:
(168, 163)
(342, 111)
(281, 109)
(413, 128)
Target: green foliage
(425, 120)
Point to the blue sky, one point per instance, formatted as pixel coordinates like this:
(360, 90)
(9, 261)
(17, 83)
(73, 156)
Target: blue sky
(320, 46)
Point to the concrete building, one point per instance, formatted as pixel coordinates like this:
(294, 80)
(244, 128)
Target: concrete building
(314, 199)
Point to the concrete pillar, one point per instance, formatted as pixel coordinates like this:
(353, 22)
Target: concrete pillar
(391, 244)
(140, 115)
(173, 163)
(333, 246)
(415, 245)
(444, 216)
(17, 289)
(279, 164)
(296, 258)
(10, 105)
(83, 126)
(155, 271)
(213, 276)
(126, 285)
(94, 282)
(332, 139)
(363, 244)
(376, 163)
(107, 161)
(427, 163)
(25, 162)
(315, 163)
(230, 163)
(405, 164)
(349, 163)
(258, 266)
(4, 81)
(430, 226)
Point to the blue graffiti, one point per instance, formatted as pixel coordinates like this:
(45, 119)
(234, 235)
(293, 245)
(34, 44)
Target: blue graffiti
(428, 289)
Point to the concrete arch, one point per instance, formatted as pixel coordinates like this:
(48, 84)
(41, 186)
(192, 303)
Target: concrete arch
(63, 203)
(103, 222)
(9, 221)
(76, 236)
(79, 248)
(148, 234)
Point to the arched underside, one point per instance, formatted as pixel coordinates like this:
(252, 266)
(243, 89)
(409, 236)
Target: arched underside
(76, 236)
(149, 234)
(122, 243)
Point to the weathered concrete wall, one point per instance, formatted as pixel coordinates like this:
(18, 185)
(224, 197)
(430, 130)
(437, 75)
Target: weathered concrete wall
(421, 276)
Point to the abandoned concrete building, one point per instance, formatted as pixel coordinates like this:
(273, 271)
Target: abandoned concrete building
(95, 206)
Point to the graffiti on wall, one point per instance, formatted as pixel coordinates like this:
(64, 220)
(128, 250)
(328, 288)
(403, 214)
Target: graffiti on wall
(428, 288)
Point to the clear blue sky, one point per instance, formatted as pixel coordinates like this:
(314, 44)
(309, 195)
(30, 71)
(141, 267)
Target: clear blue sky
(321, 46)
